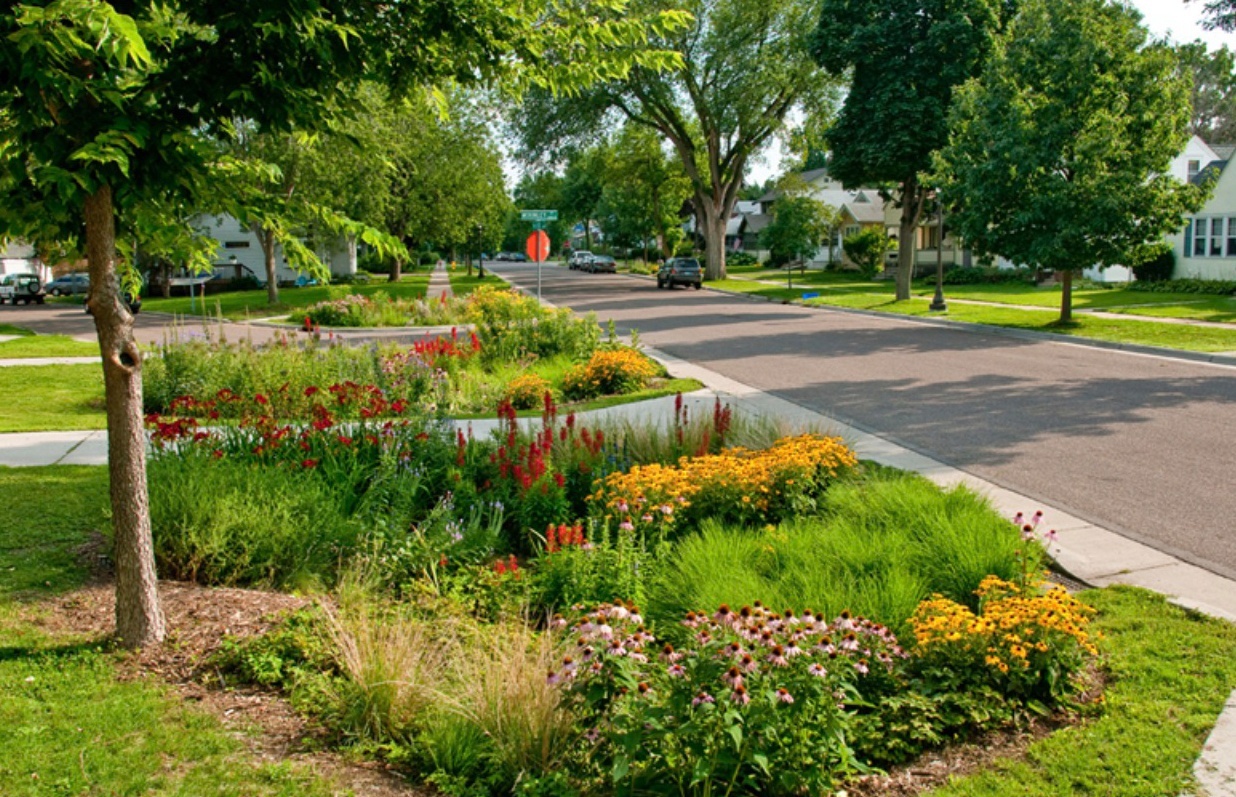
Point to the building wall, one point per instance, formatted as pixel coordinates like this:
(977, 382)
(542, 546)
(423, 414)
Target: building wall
(1200, 253)
(237, 240)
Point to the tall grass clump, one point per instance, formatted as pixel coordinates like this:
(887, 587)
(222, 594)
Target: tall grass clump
(227, 523)
(879, 546)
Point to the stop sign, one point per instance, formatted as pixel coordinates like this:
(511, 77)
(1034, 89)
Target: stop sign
(538, 246)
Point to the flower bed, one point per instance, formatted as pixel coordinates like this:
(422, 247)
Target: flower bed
(380, 310)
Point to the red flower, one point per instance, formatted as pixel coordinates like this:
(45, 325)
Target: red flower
(311, 390)
(309, 463)
(260, 399)
(347, 441)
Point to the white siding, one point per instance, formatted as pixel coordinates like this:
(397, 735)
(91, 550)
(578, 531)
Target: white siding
(1209, 256)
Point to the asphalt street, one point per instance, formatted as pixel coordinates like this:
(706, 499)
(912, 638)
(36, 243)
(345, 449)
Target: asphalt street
(1139, 444)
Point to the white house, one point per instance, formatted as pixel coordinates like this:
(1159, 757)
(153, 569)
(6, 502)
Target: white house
(236, 240)
(1206, 247)
(20, 258)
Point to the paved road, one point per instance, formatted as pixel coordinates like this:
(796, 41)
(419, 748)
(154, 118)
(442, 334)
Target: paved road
(1143, 445)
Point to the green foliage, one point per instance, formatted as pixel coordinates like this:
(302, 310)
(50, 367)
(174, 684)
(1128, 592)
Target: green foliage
(1188, 286)
(606, 563)
(1158, 269)
(1089, 115)
(741, 259)
(800, 224)
(881, 544)
(866, 248)
(227, 522)
(298, 646)
(1214, 90)
(988, 275)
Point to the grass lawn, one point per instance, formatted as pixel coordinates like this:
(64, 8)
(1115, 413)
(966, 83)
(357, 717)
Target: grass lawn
(41, 398)
(1170, 673)
(252, 304)
(463, 284)
(67, 724)
(837, 290)
(1209, 308)
(46, 346)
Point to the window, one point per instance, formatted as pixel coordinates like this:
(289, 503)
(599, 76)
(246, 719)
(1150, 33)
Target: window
(236, 245)
(1194, 168)
(1200, 226)
(1231, 236)
(1211, 236)
(1216, 237)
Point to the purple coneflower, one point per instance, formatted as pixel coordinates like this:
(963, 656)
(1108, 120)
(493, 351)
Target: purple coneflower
(676, 671)
(740, 696)
(784, 695)
(703, 697)
(817, 670)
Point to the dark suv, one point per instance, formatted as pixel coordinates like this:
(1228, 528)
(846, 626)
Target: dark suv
(680, 271)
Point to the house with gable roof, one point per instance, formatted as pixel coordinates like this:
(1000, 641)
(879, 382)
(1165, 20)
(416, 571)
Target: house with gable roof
(1206, 247)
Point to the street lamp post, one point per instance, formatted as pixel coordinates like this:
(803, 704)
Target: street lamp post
(937, 303)
(480, 261)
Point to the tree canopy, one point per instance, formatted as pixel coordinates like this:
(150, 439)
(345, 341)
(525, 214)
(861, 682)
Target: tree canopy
(1214, 91)
(105, 116)
(905, 57)
(745, 67)
(1060, 152)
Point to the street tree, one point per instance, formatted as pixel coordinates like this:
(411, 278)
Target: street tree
(542, 190)
(583, 182)
(800, 223)
(107, 116)
(745, 69)
(1060, 152)
(644, 189)
(906, 57)
(1214, 91)
(866, 249)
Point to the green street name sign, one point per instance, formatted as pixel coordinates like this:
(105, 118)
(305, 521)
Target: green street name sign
(538, 215)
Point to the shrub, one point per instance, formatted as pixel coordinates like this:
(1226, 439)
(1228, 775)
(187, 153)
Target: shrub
(527, 391)
(988, 275)
(737, 484)
(1197, 286)
(611, 371)
(740, 258)
(866, 249)
(380, 310)
(514, 327)
(1158, 269)
(586, 567)
(751, 704)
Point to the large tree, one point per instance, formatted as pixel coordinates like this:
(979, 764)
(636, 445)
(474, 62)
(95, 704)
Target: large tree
(905, 57)
(104, 118)
(745, 69)
(1214, 91)
(800, 223)
(644, 188)
(1220, 14)
(1060, 152)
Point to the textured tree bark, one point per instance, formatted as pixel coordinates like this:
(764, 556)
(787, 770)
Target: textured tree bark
(396, 271)
(139, 620)
(1066, 296)
(911, 208)
(714, 242)
(266, 239)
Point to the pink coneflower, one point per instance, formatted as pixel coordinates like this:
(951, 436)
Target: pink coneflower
(792, 650)
(861, 666)
(676, 671)
(616, 648)
(569, 666)
(646, 518)
(732, 677)
(733, 649)
(643, 688)
(1019, 520)
(557, 622)
(626, 525)
(784, 695)
(592, 734)
(668, 654)
(604, 631)
(748, 664)
(1038, 518)
(553, 678)
(623, 507)
(1027, 532)
(817, 670)
(740, 696)
(703, 638)
(701, 698)
(1052, 536)
(618, 612)
(777, 656)
(850, 642)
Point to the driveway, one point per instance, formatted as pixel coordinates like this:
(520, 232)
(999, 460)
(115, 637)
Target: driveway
(1138, 444)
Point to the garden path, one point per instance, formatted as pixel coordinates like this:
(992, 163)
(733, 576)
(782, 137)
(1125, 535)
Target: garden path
(439, 283)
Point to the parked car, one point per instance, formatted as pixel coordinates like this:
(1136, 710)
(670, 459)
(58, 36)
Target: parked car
(21, 288)
(680, 271)
(579, 259)
(602, 264)
(512, 257)
(68, 285)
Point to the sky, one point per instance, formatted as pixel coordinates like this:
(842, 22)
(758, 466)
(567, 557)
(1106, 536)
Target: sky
(1174, 19)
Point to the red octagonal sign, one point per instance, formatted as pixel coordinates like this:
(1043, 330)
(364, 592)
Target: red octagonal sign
(538, 246)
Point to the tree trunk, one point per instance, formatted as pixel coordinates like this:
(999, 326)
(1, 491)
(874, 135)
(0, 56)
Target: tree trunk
(266, 240)
(166, 270)
(139, 621)
(1066, 296)
(714, 242)
(396, 271)
(911, 209)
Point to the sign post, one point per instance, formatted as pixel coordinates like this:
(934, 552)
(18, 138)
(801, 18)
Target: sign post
(538, 242)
